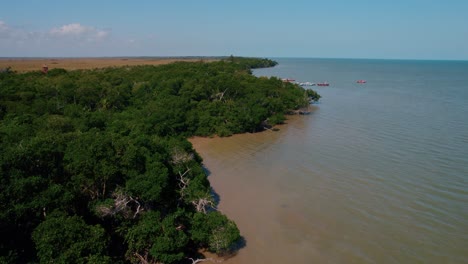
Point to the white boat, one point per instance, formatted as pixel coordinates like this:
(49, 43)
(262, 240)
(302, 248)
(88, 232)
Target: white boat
(306, 84)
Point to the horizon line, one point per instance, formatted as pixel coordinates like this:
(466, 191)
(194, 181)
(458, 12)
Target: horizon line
(220, 56)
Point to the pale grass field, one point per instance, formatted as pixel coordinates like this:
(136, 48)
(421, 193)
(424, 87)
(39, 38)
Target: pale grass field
(32, 64)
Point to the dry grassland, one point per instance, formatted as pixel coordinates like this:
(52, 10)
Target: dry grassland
(27, 64)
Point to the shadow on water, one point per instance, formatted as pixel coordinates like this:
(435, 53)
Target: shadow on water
(241, 243)
(216, 197)
(214, 194)
(206, 170)
(232, 252)
(211, 257)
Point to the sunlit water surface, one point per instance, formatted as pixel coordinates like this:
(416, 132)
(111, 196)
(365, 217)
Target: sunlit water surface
(377, 173)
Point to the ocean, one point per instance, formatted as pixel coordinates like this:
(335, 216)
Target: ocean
(377, 173)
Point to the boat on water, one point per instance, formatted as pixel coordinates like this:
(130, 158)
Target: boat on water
(288, 80)
(323, 84)
(306, 84)
(361, 81)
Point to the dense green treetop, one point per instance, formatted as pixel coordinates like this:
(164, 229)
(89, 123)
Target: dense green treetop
(95, 166)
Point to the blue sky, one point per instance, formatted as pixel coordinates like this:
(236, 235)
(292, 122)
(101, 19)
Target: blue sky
(398, 29)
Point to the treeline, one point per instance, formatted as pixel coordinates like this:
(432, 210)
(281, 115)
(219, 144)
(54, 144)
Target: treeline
(252, 63)
(95, 166)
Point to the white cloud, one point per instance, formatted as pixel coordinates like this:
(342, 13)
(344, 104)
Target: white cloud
(17, 35)
(66, 40)
(3, 26)
(75, 32)
(78, 31)
(4, 29)
(70, 29)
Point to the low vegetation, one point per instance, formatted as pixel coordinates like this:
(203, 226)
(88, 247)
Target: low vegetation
(35, 64)
(95, 165)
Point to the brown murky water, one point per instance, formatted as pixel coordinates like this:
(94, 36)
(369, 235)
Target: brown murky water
(293, 211)
(253, 188)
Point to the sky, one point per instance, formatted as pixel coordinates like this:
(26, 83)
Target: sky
(377, 29)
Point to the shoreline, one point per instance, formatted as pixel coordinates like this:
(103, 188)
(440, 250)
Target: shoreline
(224, 159)
(168, 156)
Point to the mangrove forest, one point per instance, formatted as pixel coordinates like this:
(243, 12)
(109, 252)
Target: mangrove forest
(95, 165)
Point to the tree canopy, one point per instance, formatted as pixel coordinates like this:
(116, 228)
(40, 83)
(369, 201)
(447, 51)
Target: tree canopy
(95, 165)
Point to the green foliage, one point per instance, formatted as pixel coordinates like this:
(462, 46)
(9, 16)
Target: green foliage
(91, 160)
(68, 239)
(313, 95)
(150, 185)
(214, 230)
(252, 63)
(109, 149)
(157, 238)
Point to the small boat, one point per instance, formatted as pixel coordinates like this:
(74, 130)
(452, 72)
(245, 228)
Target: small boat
(288, 80)
(306, 84)
(361, 81)
(323, 84)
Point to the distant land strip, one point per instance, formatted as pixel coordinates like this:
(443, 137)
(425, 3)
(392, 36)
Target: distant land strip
(35, 64)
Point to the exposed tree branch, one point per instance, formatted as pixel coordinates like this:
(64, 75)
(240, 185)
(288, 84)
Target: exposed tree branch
(180, 156)
(141, 258)
(195, 261)
(202, 204)
(222, 94)
(219, 96)
(144, 259)
(121, 205)
(183, 181)
(138, 208)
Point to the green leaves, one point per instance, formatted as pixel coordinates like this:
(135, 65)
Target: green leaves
(91, 160)
(313, 95)
(150, 185)
(214, 230)
(108, 148)
(68, 239)
(157, 238)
